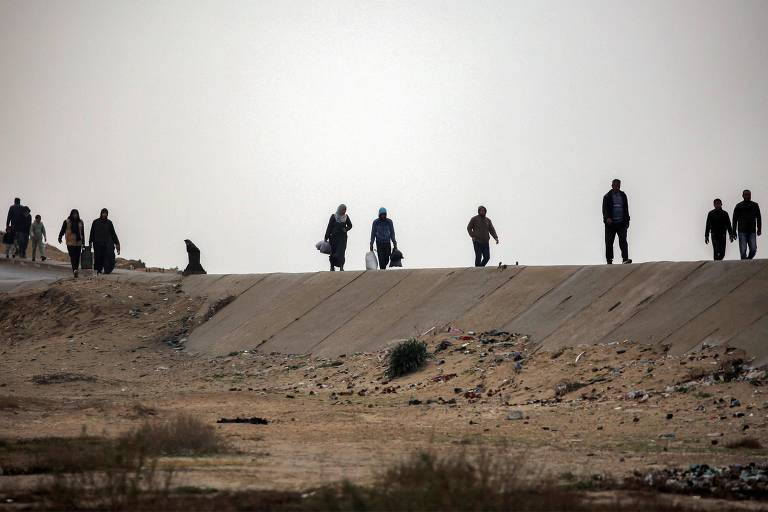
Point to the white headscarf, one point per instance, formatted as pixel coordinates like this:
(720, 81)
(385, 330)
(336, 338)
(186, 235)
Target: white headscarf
(339, 217)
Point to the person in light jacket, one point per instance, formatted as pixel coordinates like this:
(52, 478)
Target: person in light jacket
(38, 238)
(73, 231)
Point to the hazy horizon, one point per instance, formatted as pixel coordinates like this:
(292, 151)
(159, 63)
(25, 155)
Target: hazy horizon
(242, 125)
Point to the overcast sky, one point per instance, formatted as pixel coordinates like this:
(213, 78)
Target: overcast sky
(242, 125)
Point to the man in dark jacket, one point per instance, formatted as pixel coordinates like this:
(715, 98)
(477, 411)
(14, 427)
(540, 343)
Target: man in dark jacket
(748, 224)
(15, 215)
(104, 240)
(480, 229)
(383, 232)
(718, 224)
(616, 220)
(21, 229)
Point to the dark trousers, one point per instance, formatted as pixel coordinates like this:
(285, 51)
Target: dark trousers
(611, 230)
(22, 241)
(384, 249)
(103, 258)
(338, 251)
(74, 255)
(482, 253)
(718, 246)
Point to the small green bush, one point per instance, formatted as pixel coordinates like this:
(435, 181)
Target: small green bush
(408, 356)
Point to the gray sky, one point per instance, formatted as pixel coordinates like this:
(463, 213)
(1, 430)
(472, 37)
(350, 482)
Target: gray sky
(242, 125)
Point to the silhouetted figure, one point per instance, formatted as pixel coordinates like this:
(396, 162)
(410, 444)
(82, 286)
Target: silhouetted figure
(748, 224)
(73, 231)
(336, 235)
(718, 225)
(104, 241)
(383, 232)
(22, 232)
(194, 266)
(480, 229)
(616, 220)
(15, 215)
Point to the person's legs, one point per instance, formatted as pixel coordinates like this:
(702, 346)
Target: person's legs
(610, 236)
(341, 257)
(743, 238)
(485, 248)
(623, 245)
(42, 249)
(478, 252)
(98, 258)
(752, 243)
(385, 251)
(109, 259)
(35, 245)
(74, 257)
(718, 246)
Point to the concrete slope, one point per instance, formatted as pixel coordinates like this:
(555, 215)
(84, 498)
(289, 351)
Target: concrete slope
(683, 304)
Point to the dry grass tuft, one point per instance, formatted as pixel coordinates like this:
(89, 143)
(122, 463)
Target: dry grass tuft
(749, 443)
(181, 436)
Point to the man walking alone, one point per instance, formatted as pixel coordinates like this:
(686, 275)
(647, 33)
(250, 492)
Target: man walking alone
(748, 224)
(383, 232)
(480, 229)
(38, 238)
(616, 220)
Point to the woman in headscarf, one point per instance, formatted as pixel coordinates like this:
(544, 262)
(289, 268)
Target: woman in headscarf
(336, 235)
(74, 232)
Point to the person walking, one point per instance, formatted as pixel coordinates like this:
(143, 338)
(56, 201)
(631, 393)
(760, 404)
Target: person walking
(383, 232)
(616, 220)
(718, 225)
(104, 241)
(73, 231)
(38, 238)
(748, 224)
(480, 229)
(13, 223)
(336, 235)
(22, 233)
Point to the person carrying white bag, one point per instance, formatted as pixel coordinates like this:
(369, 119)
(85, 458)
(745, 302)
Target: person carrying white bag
(383, 233)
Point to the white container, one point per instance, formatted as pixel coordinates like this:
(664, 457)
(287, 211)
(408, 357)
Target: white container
(371, 262)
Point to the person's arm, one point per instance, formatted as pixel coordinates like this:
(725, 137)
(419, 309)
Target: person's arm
(8, 219)
(759, 221)
(392, 231)
(42, 230)
(90, 235)
(471, 228)
(82, 231)
(492, 230)
(708, 228)
(349, 223)
(728, 223)
(736, 219)
(373, 232)
(328, 230)
(114, 236)
(63, 230)
(606, 210)
(626, 209)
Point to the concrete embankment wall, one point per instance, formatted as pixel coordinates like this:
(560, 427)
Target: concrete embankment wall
(683, 304)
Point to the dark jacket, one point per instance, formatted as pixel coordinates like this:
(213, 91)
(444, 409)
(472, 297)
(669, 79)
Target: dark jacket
(718, 223)
(481, 229)
(15, 216)
(745, 216)
(103, 233)
(383, 231)
(337, 229)
(608, 206)
(24, 225)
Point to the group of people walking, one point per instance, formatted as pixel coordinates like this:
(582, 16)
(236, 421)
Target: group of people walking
(20, 230)
(746, 227)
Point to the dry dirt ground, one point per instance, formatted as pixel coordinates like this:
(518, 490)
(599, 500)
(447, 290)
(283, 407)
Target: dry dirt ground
(102, 357)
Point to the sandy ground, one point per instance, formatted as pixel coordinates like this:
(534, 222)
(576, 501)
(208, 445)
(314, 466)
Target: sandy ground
(343, 418)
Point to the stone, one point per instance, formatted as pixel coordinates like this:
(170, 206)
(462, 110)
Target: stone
(515, 415)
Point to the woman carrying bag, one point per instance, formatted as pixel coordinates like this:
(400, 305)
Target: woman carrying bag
(73, 232)
(336, 235)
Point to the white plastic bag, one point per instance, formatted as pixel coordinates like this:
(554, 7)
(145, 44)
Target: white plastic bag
(371, 262)
(323, 246)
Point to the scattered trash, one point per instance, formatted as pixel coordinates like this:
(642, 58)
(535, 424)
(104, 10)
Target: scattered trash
(61, 378)
(579, 357)
(515, 415)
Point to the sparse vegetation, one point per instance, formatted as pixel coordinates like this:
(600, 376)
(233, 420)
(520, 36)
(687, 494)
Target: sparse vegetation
(61, 378)
(407, 357)
(181, 436)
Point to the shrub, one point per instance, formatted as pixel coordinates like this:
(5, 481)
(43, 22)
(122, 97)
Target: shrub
(749, 443)
(407, 356)
(183, 436)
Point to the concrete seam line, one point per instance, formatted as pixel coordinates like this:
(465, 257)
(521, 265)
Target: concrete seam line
(358, 313)
(739, 285)
(487, 297)
(657, 297)
(746, 328)
(262, 342)
(550, 290)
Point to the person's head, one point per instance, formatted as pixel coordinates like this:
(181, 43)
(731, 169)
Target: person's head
(616, 184)
(382, 213)
(104, 213)
(341, 210)
(482, 210)
(74, 215)
(17, 201)
(747, 195)
(718, 204)
(38, 218)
